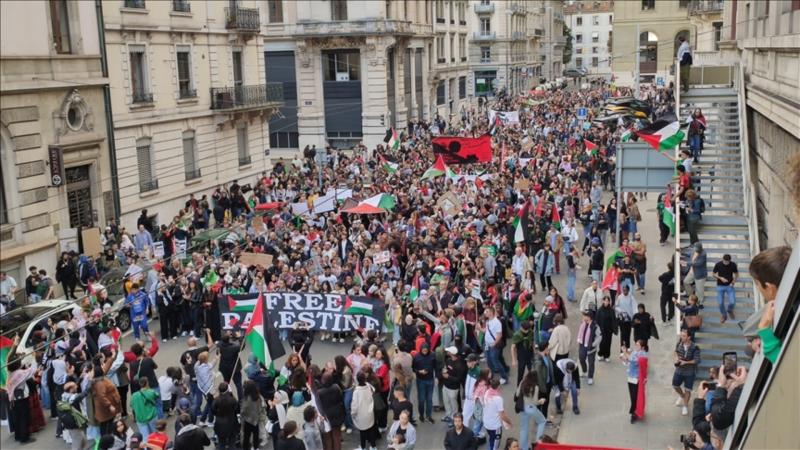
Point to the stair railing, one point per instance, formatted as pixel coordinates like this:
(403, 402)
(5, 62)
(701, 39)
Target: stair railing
(748, 187)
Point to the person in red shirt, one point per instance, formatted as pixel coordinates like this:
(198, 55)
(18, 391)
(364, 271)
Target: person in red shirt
(159, 439)
(684, 181)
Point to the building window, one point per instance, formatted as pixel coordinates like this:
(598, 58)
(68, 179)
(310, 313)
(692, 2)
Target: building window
(595, 20)
(139, 82)
(59, 23)
(595, 61)
(579, 62)
(579, 50)
(717, 34)
(595, 37)
(486, 26)
(462, 87)
(594, 50)
(462, 13)
(338, 9)
(579, 21)
(184, 60)
(145, 160)
(181, 6)
(190, 162)
(284, 139)
(242, 145)
(452, 19)
(3, 204)
(452, 48)
(439, 11)
(462, 47)
(486, 54)
(648, 5)
(610, 19)
(440, 97)
(683, 3)
(137, 4)
(440, 56)
(342, 65)
(238, 69)
(579, 38)
(275, 8)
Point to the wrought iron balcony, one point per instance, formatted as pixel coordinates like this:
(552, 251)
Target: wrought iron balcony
(191, 174)
(517, 35)
(538, 32)
(247, 97)
(705, 6)
(245, 160)
(181, 6)
(484, 36)
(142, 97)
(187, 93)
(149, 185)
(482, 8)
(242, 19)
(517, 8)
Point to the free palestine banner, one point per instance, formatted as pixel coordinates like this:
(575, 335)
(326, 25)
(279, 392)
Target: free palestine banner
(324, 312)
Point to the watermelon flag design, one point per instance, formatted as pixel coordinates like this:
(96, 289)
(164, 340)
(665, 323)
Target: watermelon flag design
(438, 169)
(5, 350)
(355, 307)
(555, 219)
(247, 305)
(591, 147)
(663, 134)
(668, 217)
(391, 139)
(265, 344)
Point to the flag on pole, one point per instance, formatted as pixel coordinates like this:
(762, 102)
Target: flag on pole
(540, 207)
(356, 307)
(522, 309)
(389, 166)
(668, 217)
(555, 218)
(265, 344)
(591, 147)
(391, 139)
(414, 294)
(521, 223)
(246, 305)
(438, 169)
(663, 134)
(614, 256)
(5, 350)
(626, 135)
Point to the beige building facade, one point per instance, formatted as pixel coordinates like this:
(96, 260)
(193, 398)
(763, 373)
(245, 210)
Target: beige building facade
(591, 23)
(54, 153)
(190, 100)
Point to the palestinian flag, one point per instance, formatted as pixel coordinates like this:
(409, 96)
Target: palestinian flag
(555, 218)
(614, 256)
(414, 294)
(389, 166)
(626, 135)
(391, 139)
(496, 124)
(438, 169)
(663, 134)
(523, 310)
(242, 305)
(521, 224)
(377, 204)
(357, 307)
(668, 217)
(265, 344)
(6, 345)
(591, 147)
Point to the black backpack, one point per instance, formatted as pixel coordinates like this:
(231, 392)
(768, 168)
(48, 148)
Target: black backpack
(686, 60)
(702, 206)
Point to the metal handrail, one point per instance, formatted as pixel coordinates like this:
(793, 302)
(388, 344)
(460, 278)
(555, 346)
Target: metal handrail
(242, 19)
(246, 96)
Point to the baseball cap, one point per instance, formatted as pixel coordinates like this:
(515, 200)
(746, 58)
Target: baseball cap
(452, 350)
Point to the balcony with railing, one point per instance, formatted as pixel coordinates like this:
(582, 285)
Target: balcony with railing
(242, 19)
(148, 185)
(326, 29)
(558, 16)
(484, 8)
(185, 93)
(517, 8)
(257, 96)
(538, 32)
(192, 174)
(245, 160)
(705, 7)
(484, 36)
(517, 35)
(142, 96)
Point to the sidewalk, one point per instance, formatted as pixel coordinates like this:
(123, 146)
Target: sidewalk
(604, 418)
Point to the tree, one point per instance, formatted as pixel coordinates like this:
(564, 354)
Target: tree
(567, 56)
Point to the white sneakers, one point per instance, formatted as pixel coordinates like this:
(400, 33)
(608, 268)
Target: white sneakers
(591, 381)
(684, 411)
(679, 401)
(503, 381)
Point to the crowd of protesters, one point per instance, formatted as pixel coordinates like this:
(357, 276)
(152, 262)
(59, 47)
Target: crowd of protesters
(462, 294)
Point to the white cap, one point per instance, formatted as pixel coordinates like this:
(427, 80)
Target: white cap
(451, 350)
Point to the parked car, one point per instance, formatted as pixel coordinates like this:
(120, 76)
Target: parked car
(23, 321)
(574, 73)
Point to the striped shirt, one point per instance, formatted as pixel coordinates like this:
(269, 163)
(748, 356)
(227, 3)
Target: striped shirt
(690, 352)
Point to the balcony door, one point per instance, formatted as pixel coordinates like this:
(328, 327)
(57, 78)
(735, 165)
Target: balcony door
(238, 76)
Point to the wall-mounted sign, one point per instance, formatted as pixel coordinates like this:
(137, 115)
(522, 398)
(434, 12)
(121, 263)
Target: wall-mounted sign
(56, 156)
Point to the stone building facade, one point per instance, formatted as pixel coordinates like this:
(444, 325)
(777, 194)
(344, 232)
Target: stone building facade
(591, 25)
(54, 152)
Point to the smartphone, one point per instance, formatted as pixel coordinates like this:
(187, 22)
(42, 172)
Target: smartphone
(729, 362)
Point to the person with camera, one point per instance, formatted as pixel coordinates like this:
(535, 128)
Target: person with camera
(687, 357)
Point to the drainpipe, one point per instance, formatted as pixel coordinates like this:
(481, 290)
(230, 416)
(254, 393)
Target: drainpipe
(112, 148)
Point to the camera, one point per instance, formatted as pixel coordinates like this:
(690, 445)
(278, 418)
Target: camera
(688, 440)
(710, 385)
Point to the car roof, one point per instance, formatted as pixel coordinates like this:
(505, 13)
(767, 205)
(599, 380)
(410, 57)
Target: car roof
(53, 303)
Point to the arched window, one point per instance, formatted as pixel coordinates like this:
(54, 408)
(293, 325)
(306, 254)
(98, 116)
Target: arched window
(686, 34)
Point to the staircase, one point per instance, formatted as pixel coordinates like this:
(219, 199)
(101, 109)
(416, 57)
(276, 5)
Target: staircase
(724, 227)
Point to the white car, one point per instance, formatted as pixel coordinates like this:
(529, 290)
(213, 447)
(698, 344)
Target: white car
(23, 321)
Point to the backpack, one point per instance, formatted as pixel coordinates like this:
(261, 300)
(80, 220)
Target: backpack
(71, 417)
(702, 206)
(686, 59)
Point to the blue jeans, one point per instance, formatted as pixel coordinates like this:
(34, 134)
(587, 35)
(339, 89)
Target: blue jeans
(197, 398)
(159, 406)
(573, 390)
(425, 397)
(493, 360)
(140, 325)
(571, 280)
(476, 426)
(694, 144)
(531, 412)
(597, 275)
(721, 291)
(640, 280)
(208, 410)
(348, 397)
(146, 428)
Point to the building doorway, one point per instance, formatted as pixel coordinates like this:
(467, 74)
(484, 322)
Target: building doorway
(648, 52)
(79, 196)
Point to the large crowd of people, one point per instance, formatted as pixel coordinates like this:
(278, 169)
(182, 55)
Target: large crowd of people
(464, 296)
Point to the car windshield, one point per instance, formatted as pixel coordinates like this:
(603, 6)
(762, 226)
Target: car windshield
(15, 321)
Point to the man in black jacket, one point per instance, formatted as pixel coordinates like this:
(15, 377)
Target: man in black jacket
(423, 366)
(190, 437)
(453, 375)
(459, 437)
(226, 423)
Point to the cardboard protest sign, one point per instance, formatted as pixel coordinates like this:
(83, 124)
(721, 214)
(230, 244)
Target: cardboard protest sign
(522, 184)
(158, 249)
(323, 312)
(91, 241)
(449, 204)
(256, 259)
(381, 257)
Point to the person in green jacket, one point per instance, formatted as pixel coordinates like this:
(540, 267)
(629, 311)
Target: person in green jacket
(143, 404)
(767, 269)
